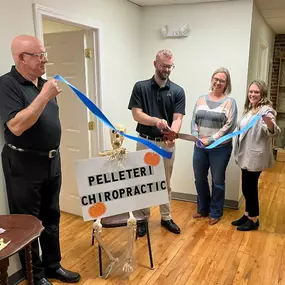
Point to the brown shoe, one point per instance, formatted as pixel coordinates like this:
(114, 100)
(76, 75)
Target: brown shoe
(196, 215)
(213, 221)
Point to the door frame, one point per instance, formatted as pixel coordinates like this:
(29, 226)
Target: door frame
(40, 12)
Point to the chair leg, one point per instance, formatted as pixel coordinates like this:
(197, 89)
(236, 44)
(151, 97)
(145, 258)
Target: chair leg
(137, 235)
(92, 242)
(149, 245)
(100, 260)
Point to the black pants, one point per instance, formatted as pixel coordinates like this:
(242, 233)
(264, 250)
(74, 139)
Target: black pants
(33, 184)
(250, 191)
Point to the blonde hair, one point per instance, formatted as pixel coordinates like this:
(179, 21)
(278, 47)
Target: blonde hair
(228, 87)
(164, 52)
(263, 96)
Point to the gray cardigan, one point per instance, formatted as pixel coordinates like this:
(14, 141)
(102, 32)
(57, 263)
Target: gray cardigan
(254, 151)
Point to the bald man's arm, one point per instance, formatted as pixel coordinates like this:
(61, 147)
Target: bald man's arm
(29, 116)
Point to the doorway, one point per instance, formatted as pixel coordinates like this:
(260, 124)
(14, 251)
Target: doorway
(73, 53)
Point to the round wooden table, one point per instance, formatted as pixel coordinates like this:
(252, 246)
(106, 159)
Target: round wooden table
(21, 230)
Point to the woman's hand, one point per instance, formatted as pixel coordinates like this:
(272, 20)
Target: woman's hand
(268, 120)
(205, 141)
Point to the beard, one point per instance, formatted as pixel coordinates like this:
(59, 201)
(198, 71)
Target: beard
(163, 76)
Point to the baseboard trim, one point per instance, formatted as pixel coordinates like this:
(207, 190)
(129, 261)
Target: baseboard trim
(16, 278)
(193, 198)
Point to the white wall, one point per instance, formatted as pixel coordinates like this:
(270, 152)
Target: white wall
(219, 36)
(121, 22)
(261, 35)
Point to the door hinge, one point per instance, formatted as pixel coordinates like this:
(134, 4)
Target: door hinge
(91, 126)
(88, 53)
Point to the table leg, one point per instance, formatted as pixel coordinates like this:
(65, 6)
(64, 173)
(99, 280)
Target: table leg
(29, 264)
(4, 263)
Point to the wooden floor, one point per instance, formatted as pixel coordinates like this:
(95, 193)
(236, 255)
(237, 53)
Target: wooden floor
(201, 254)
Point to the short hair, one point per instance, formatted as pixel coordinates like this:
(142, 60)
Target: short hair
(164, 52)
(228, 87)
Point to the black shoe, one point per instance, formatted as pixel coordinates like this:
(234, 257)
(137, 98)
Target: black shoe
(240, 221)
(249, 226)
(171, 226)
(42, 281)
(141, 230)
(63, 275)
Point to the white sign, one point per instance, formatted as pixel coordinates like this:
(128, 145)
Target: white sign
(107, 188)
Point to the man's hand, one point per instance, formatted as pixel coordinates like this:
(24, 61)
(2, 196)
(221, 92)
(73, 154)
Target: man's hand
(169, 143)
(162, 124)
(28, 116)
(51, 89)
(169, 136)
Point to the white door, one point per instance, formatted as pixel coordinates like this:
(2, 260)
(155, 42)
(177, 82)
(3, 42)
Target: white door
(66, 55)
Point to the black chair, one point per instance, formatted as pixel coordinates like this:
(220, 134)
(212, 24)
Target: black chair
(121, 221)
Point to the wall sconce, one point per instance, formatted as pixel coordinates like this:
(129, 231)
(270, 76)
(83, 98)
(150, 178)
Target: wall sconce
(182, 32)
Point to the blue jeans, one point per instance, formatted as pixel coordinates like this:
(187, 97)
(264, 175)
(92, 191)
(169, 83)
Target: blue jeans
(217, 160)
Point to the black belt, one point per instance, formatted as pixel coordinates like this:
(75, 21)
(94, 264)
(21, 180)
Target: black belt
(157, 139)
(50, 154)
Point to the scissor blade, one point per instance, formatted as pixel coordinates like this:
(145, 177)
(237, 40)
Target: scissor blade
(186, 137)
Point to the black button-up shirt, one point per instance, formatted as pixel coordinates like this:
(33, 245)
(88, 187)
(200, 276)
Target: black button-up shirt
(157, 102)
(16, 94)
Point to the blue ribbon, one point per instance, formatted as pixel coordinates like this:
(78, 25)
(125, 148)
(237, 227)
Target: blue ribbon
(97, 112)
(231, 135)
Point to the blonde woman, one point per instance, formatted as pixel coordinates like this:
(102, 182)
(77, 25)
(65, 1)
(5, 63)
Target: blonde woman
(214, 116)
(253, 150)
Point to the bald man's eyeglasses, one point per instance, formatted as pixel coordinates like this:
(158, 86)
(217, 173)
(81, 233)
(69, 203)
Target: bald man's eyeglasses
(41, 55)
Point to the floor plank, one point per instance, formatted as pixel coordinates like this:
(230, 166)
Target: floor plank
(202, 254)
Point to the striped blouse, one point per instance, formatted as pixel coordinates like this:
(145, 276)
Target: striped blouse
(213, 119)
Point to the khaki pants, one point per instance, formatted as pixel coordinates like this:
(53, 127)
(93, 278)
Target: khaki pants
(168, 166)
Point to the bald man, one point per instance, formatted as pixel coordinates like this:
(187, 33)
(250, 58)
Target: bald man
(30, 156)
(158, 104)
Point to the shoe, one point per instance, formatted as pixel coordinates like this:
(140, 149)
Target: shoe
(249, 225)
(171, 226)
(42, 281)
(141, 230)
(63, 275)
(240, 221)
(213, 221)
(198, 215)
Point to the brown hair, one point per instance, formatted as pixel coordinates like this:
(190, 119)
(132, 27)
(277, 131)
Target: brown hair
(263, 96)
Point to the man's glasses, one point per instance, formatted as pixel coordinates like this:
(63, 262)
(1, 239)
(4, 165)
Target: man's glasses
(40, 55)
(216, 80)
(165, 66)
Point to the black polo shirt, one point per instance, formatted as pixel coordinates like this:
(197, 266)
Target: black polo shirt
(16, 94)
(157, 102)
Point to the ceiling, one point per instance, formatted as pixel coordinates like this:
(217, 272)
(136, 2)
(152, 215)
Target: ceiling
(273, 11)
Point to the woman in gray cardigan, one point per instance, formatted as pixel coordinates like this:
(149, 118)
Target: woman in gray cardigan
(253, 150)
